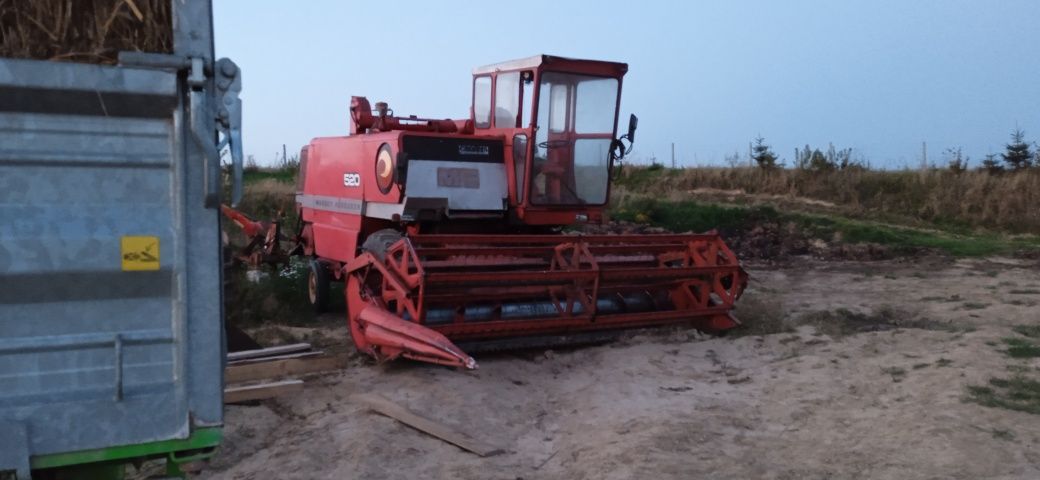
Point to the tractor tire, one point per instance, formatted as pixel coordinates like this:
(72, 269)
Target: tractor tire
(318, 279)
(380, 241)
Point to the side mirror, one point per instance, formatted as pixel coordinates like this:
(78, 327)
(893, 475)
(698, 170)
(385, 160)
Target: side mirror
(633, 122)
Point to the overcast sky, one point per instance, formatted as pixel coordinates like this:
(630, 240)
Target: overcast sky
(878, 76)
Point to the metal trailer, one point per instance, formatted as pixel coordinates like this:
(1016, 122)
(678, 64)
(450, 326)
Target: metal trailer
(111, 326)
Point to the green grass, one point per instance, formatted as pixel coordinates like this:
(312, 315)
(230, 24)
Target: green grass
(692, 216)
(974, 306)
(253, 175)
(1018, 392)
(689, 215)
(1021, 348)
(280, 296)
(1000, 434)
(1015, 393)
(1031, 331)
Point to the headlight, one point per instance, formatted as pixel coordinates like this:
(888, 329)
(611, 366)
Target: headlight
(385, 168)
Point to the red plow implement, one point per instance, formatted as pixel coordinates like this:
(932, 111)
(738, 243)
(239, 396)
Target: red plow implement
(426, 292)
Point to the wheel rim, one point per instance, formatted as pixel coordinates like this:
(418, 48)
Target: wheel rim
(312, 288)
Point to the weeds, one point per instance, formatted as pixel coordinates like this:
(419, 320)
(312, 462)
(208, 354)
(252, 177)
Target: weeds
(1031, 331)
(1018, 392)
(974, 306)
(689, 215)
(1021, 348)
(941, 199)
(843, 322)
(1000, 434)
(282, 174)
(1015, 393)
(897, 373)
(280, 297)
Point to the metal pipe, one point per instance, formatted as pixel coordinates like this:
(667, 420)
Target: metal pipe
(607, 304)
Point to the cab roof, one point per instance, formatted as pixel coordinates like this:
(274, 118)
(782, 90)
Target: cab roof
(551, 61)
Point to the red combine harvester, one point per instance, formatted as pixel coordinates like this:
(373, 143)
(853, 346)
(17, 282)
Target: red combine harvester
(451, 230)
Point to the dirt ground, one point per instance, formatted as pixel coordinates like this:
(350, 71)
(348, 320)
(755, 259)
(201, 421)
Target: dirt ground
(868, 380)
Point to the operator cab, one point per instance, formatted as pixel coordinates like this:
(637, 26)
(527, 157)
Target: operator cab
(560, 117)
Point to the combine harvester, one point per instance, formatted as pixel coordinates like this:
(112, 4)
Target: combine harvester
(452, 230)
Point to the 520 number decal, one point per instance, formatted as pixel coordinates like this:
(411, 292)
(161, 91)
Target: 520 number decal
(351, 180)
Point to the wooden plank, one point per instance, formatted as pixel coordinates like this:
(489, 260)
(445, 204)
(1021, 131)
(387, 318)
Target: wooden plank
(277, 357)
(282, 368)
(268, 352)
(384, 406)
(261, 391)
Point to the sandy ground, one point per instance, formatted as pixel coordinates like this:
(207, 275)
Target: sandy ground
(887, 403)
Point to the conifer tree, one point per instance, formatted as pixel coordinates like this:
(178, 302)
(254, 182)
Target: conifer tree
(1017, 154)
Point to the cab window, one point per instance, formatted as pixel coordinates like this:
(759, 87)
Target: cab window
(507, 100)
(482, 102)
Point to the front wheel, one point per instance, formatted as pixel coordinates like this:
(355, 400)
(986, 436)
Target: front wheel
(318, 286)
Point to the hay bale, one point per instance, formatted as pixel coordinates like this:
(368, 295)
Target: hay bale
(90, 31)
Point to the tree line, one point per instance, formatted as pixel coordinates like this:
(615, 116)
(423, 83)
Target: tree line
(1018, 155)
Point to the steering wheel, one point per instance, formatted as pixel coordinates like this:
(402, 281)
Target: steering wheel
(553, 144)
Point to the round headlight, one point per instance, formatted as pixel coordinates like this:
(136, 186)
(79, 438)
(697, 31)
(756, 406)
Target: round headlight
(384, 168)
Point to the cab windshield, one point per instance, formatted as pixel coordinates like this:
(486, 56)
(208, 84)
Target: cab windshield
(575, 128)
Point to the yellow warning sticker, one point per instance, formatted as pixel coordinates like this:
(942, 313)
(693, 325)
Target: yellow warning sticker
(140, 253)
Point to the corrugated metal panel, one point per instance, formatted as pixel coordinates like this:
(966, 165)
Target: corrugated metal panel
(93, 355)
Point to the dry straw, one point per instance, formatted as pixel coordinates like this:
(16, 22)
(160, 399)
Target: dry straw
(92, 31)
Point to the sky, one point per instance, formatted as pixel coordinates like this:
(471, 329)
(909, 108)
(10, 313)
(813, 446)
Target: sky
(881, 77)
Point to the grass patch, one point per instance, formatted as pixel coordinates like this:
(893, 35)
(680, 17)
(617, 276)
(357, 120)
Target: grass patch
(254, 175)
(1000, 434)
(1015, 393)
(897, 373)
(1021, 348)
(841, 322)
(689, 215)
(974, 306)
(1031, 331)
(1022, 303)
(935, 198)
(278, 296)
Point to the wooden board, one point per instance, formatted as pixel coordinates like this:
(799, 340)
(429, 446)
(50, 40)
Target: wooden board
(247, 372)
(261, 391)
(384, 406)
(276, 357)
(268, 352)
